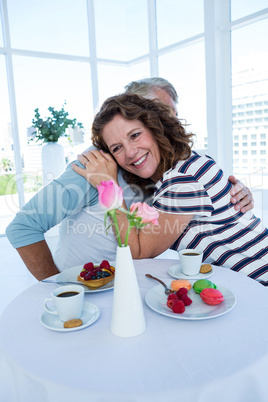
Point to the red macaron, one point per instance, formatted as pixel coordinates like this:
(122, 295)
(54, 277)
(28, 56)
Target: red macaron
(211, 296)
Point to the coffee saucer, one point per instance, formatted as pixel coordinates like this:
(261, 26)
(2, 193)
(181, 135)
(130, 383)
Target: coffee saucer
(90, 314)
(176, 272)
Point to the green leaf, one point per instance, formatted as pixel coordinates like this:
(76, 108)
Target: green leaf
(53, 127)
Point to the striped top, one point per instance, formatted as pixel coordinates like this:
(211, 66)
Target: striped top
(227, 237)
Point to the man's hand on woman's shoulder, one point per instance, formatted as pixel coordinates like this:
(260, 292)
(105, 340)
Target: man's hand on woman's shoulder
(241, 195)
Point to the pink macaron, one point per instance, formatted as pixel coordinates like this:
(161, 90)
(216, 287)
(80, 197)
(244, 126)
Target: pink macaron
(211, 296)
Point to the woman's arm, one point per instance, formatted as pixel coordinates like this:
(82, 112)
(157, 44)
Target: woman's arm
(153, 240)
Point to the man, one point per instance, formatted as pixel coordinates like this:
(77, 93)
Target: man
(71, 201)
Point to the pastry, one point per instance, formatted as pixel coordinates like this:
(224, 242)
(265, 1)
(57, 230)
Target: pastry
(201, 284)
(96, 276)
(205, 268)
(180, 283)
(73, 323)
(212, 296)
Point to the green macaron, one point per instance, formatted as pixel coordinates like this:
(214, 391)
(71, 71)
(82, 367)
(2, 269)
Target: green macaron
(201, 284)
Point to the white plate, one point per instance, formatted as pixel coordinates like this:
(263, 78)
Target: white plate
(90, 314)
(72, 273)
(198, 310)
(177, 273)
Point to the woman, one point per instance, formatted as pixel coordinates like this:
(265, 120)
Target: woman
(190, 191)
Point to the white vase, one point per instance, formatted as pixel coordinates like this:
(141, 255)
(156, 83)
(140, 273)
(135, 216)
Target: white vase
(53, 161)
(127, 313)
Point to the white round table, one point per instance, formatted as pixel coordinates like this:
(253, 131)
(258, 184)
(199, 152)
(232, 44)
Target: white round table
(223, 359)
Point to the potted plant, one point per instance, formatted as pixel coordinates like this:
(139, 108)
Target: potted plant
(48, 131)
(53, 127)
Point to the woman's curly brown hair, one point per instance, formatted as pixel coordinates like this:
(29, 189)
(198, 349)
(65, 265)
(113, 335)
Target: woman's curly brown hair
(173, 141)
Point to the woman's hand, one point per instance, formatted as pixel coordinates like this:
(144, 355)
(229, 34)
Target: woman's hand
(99, 166)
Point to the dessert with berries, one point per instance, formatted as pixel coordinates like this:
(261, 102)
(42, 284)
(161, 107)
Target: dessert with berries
(96, 276)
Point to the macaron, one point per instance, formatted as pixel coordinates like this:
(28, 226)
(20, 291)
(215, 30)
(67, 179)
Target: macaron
(201, 284)
(211, 296)
(180, 283)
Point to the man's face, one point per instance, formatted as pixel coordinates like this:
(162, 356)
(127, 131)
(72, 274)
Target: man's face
(165, 98)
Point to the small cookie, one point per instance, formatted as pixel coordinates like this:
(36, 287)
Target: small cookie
(73, 323)
(205, 268)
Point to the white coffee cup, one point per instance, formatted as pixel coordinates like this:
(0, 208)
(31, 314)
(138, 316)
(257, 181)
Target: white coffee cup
(68, 302)
(191, 260)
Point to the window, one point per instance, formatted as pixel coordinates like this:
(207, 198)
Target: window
(189, 80)
(175, 25)
(1, 34)
(118, 35)
(8, 187)
(250, 71)
(63, 86)
(55, 27)
(241, 8)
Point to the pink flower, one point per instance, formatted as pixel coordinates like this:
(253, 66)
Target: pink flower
(144, 211)
(110, 195)
(111, 199)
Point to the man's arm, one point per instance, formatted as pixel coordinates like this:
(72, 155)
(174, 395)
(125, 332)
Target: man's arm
(38, 259)
(62, 197)
(241, 195)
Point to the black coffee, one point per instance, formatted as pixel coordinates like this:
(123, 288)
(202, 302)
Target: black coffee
(190, 254)
(67, 294)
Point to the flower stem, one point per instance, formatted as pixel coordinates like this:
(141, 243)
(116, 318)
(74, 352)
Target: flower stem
(112, 214)
(127, 234)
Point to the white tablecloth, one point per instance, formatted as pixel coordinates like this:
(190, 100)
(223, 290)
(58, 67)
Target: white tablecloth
(222, 359)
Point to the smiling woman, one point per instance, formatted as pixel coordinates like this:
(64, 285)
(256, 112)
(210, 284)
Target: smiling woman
(191, 193)
(133, 146)
(131, 129)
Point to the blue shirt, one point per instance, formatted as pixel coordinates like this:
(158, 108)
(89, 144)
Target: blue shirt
(64, 196)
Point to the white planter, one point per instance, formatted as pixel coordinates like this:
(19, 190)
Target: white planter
(127, 314)
(53, 161)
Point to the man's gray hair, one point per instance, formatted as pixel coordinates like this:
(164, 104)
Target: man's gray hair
(146, 86)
